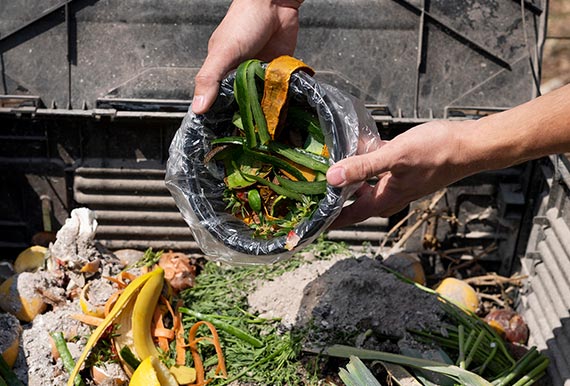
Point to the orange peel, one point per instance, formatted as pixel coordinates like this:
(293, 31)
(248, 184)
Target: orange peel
(20, 299)
(9, 348)
(86, 306)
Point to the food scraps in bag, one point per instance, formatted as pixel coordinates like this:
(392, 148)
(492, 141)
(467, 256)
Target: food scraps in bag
(276, 160)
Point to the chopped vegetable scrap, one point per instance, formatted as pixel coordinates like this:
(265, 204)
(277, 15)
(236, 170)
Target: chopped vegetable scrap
(177, 270)
(276, 159)
(139, 328)
(508, 324)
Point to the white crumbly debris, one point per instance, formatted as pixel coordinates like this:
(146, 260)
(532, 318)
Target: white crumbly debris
(74, 246)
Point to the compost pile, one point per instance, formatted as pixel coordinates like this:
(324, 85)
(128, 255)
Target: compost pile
(58, 295)
(276, 324)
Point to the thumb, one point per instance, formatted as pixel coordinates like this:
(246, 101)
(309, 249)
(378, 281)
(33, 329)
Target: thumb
(359, 168)
(207, 84)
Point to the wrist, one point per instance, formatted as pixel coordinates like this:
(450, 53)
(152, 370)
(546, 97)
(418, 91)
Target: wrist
(473, 149)
(488, 146)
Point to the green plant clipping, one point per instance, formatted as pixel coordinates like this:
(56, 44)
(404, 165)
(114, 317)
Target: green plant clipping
(462, 376)
(274, 176)
(477, 347)
(357, 374)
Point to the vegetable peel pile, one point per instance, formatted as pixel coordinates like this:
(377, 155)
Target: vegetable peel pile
(134, 319)
(276, 160)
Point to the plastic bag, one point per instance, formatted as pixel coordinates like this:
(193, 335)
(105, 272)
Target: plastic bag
(198, 188)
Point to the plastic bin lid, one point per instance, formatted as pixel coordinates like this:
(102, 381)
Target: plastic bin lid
(414, 58)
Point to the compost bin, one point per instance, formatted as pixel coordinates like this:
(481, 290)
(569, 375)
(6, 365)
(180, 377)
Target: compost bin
(94, 90)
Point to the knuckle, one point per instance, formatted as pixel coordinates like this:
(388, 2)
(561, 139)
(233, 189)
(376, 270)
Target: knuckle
(366, 169)
(205, 80)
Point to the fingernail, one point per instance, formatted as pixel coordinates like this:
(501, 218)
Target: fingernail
(198, 103)
(336, 176)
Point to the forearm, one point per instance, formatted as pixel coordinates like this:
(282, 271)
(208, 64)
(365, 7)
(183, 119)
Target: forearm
(537, 128)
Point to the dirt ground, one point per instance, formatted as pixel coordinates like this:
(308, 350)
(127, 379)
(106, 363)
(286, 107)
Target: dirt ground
(556, 59)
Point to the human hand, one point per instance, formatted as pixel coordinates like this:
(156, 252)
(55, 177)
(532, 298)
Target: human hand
(435, 154)
(259, 29)
(416, 163)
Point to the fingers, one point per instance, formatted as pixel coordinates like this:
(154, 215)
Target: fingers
(354, 212)
(380, 200)
(227, 47)
(360, 168)
(207, 83)
(223, 55)
(370, 201)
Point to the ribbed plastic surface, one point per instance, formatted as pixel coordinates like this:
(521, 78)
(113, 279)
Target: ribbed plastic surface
(546, 302)
(135, 210)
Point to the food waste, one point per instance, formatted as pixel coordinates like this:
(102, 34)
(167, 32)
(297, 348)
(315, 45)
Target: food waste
(126, 303)
(276, 160)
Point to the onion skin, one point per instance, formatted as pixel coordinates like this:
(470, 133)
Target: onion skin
(178, 271)
(508, 324)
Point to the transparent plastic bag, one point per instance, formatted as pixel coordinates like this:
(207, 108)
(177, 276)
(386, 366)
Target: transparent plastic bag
(198, 188)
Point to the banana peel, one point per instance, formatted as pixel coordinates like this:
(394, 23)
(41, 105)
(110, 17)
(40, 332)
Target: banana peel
(152, 372)
(142, 318)
(143, 290)
(123, 336)
(134, 323)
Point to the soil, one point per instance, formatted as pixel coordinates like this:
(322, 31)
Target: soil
(351, 300)
(9, 332)
(556, 59)
(35, 364)
(282, 297)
